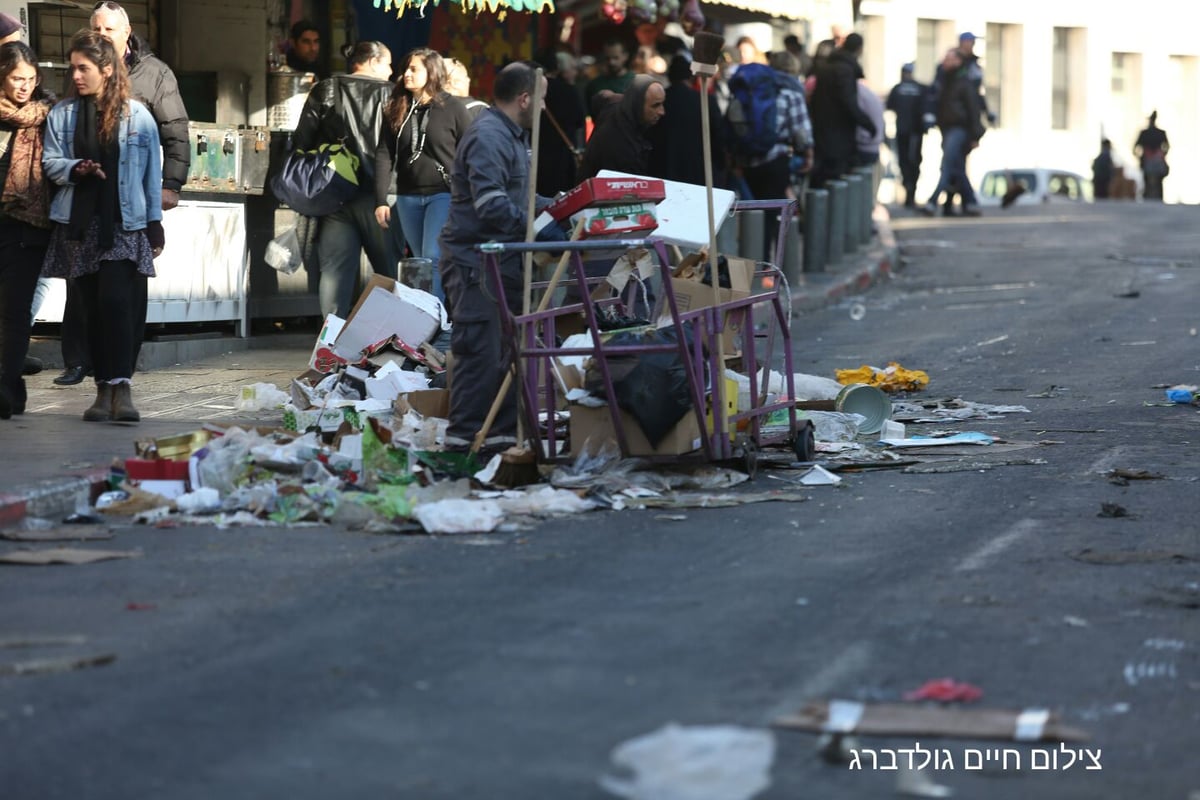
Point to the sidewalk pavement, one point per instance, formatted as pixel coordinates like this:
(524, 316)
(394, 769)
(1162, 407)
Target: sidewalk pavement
(54, 462)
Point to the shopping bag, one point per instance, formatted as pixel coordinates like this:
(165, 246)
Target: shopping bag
(317, 182)
(283, 252)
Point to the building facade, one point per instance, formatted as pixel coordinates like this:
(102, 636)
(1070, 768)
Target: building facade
(1060, 76)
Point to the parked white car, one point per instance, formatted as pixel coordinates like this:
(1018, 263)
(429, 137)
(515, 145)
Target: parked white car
(1042, 185)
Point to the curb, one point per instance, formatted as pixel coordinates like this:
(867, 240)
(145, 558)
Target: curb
(875, 264)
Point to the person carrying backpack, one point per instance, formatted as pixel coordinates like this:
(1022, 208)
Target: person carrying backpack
(767, 123)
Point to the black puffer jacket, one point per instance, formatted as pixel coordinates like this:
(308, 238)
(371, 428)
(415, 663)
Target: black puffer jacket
(359, 122)
(153, 83)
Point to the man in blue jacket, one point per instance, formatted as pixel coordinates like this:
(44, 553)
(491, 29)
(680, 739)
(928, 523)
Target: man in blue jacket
(489, 193)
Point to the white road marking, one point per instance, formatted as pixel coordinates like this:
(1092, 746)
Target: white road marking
(1018, 531)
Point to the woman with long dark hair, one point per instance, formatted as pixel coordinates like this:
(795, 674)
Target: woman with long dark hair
(421, 128)
(24, 213)
(102, 149)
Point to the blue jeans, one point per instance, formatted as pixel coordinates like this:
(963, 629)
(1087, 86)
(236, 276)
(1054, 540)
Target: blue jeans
(954, 167)
(342, 238)
(422, 217)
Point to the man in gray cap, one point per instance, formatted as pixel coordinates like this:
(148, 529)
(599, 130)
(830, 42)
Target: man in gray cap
(907, 101)
(10, 28)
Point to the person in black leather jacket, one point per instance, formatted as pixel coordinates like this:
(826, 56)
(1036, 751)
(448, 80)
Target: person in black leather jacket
(349, 108)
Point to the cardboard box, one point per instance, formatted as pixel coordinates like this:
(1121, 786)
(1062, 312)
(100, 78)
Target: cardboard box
(327, 420)
(592, 427)
(607, 192)
(692, 294)
(379, 315)
(427, 403)
(323, 359)
(617, 221)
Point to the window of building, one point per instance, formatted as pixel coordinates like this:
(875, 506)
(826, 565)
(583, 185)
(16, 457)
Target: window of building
(928, 56)
(1067, 76)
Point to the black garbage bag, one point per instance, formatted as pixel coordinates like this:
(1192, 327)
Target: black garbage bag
(652, 387)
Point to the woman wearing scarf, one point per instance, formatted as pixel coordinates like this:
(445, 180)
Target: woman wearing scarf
(619, 142)
(422, 124)
(102, 150)
(24, 213)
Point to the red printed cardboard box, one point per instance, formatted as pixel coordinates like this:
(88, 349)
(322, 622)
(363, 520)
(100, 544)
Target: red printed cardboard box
(622, 220)
(607, 192)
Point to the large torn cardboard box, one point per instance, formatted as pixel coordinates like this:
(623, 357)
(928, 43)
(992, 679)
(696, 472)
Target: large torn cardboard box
(591, 428)
(692, 293)
(381, 314)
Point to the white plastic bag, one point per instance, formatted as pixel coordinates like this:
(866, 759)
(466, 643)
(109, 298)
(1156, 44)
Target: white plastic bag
(719, 762)
(283, 252)
(261, 397)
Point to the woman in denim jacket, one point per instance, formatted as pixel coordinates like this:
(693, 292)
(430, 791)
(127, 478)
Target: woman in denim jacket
(102, 150)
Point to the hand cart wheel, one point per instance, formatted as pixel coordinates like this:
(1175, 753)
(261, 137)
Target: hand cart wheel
(805, 443)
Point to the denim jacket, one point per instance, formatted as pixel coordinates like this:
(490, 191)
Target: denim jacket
(140, 170)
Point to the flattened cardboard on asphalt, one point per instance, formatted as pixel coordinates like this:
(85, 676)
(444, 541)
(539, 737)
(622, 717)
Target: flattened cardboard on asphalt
(901, 719)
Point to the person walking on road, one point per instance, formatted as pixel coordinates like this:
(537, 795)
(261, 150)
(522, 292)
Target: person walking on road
(961, 123)
(24, 213)
(835, 112)
(1151, 149)
(102, 150)
(907, 101)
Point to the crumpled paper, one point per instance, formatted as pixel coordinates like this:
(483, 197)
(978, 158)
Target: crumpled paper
(892, 378)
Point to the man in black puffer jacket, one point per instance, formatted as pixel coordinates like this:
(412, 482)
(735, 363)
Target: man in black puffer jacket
(153, 83)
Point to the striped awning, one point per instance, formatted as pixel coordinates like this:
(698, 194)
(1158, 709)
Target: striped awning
(787, 9)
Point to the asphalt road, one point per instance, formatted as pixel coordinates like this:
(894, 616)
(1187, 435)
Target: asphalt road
(317, 663)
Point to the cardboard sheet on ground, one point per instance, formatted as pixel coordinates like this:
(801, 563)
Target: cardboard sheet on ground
(900, 719)
(66, 533)
(968, 437)
(64, 555)
(42, 666)
(683, 215)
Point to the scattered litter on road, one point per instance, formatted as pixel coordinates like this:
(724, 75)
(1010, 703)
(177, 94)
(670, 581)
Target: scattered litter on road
(1075, 622)
(906, 719)
(892, 378)
(949, 410)
(966, 437)
(917, 783)
(71, 534)
(1122, 477)
(1112, 510)
(719, 762)
(1048, 392)
(945, 690)
(64, 555)
(1183, 393)
(1090, 556)
(42, 666)
(971, 466)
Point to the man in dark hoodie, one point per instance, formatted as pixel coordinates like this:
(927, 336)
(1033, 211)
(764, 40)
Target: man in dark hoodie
(961, 123)
(619, 142)
(835, 112)
(152, 83)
